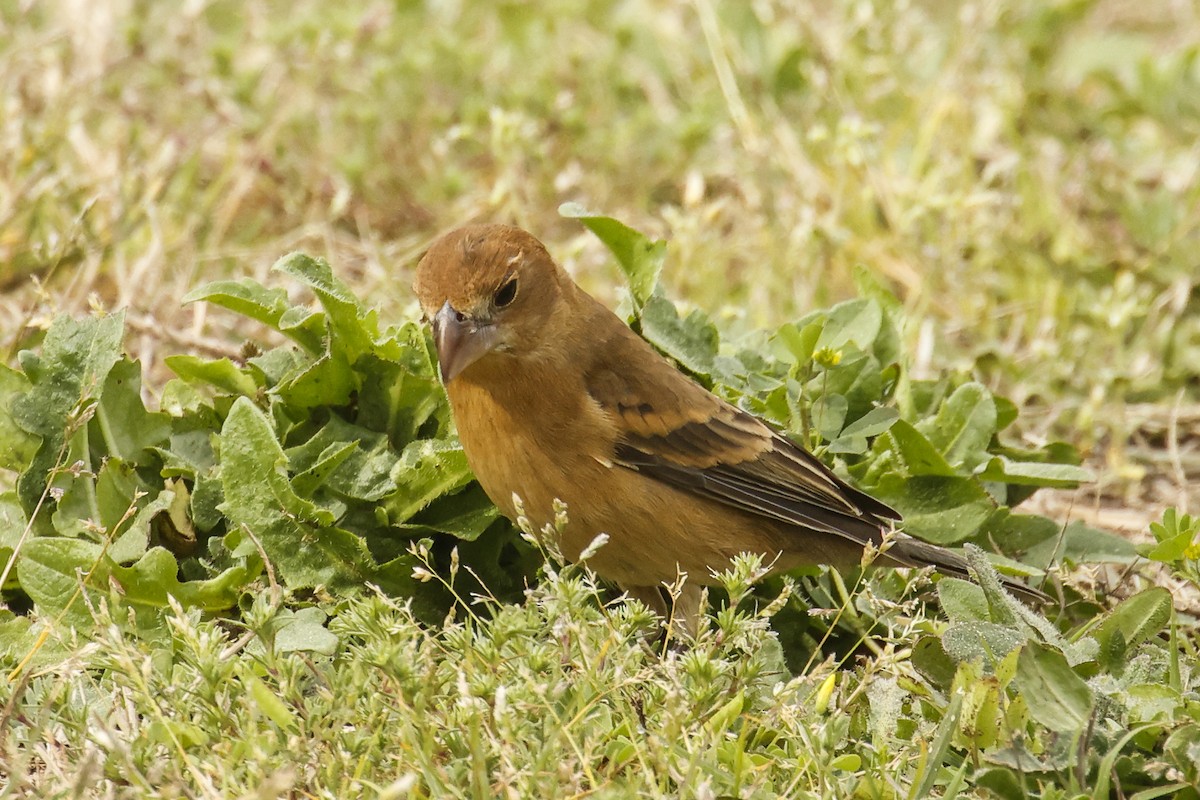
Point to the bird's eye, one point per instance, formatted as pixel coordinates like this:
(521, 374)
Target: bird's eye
(506, 293)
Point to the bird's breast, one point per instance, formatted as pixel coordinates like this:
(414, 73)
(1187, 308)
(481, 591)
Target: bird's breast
(543, 447)
(538, 444)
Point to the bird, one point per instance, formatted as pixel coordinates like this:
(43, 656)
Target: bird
(556, 400)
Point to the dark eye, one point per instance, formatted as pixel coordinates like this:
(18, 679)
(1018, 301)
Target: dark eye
(506, 293)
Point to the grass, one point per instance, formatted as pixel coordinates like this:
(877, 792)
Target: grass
(1022, 174)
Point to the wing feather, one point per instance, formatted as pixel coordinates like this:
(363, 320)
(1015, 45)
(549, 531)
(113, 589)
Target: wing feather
(673, 430)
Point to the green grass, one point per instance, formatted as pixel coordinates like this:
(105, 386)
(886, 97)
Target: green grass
(1022, 174)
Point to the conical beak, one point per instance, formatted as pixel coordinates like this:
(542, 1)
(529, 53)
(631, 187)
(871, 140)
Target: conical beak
(460, 341)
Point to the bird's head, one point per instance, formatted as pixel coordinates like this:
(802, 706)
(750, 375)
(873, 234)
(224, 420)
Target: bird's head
(488, 291)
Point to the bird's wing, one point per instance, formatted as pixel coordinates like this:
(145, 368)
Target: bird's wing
(673, 430)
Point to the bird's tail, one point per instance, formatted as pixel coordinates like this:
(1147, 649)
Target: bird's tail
(908, 552)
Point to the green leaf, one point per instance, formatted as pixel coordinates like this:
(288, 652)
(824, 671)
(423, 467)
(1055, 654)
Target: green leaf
(129, 542)
(1002, 469)
(829, 415)
(964, 426)
(988, 642)
(1017, 532)
(12, 526)
(796, 344)
(293, 532)
(465, 515)
(353, 330)
(1134, 620)
(402, 396)
(640, 258)
(939, 510)
(1057, 697)
(155, 577)
(268, 702)
(121, 421)
(51, 570)
(427, 470)
(854, 322)
(931, 660)
(1170, 550)
(245, 296)
(691, 340)
(304, 630)
(962, 601)
(1081, 544)
(363, 472)
(853, 437)
(874, 422)
(17, 445)
(221, 373)
(69, 375)
(328, 381)
(917, 453)
(313, 477)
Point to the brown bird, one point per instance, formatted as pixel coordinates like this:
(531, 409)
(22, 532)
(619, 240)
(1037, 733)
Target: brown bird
(555, 397)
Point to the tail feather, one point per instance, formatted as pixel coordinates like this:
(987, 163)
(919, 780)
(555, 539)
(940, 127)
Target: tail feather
(908, 552)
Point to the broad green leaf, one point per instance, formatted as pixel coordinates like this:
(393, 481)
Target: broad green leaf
(400, 395)
(465, 515)
(874, 422)
(690, 340)
(221, 373)
(962, 601)
(988, 642)
(291, 530)
(278, 365)
(12, 519)
(931, 660)
(303, 630)
(130, 541)
(1006, 412)
(829, 415)
(857, 377)
(245, 296)
(853, 437)
(640, 258)
(1017, 532)
(917, 453)
(17, 445)
(1136, 619)
(1081, 544)
(363, 473)
(33, 643)
(1057, 697)
(427, 469)
(1182, 750)
(1170, 550)
(854, 322)
(122, 424)
(313, 477)
(306, 327)
(181, 399)
(352, 331)
(155, 577)
(939, 510)
(963, 426)
(68, 376)
(1001, 469)
(328, 381)
(796, 344)
(12, 526)
(52, 569)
